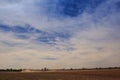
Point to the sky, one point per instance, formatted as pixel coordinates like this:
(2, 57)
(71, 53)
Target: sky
(59, 33)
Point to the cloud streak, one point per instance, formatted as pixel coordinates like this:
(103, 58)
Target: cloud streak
(74, 33)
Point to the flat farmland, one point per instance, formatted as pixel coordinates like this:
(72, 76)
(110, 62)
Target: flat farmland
(63, 75)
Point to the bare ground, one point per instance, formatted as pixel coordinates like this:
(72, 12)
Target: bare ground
(63, 75)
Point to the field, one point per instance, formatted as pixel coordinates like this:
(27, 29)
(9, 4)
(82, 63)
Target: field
(63, 75)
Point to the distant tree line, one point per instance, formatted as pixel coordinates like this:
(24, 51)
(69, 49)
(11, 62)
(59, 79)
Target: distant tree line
(44, 69)
(10, 70)
(97, 68)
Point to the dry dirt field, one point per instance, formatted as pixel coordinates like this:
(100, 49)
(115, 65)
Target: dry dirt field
(63, 75)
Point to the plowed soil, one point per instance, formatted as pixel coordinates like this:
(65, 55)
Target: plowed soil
(63, 75)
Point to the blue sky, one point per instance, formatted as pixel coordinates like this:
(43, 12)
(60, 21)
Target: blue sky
(59, 33)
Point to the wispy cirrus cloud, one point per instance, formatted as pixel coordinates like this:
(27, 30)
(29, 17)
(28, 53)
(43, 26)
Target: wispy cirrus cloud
(69, 33)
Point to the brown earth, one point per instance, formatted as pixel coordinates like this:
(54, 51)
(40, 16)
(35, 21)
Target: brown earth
(63, 75)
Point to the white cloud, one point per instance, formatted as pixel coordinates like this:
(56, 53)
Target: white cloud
(94, 42)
